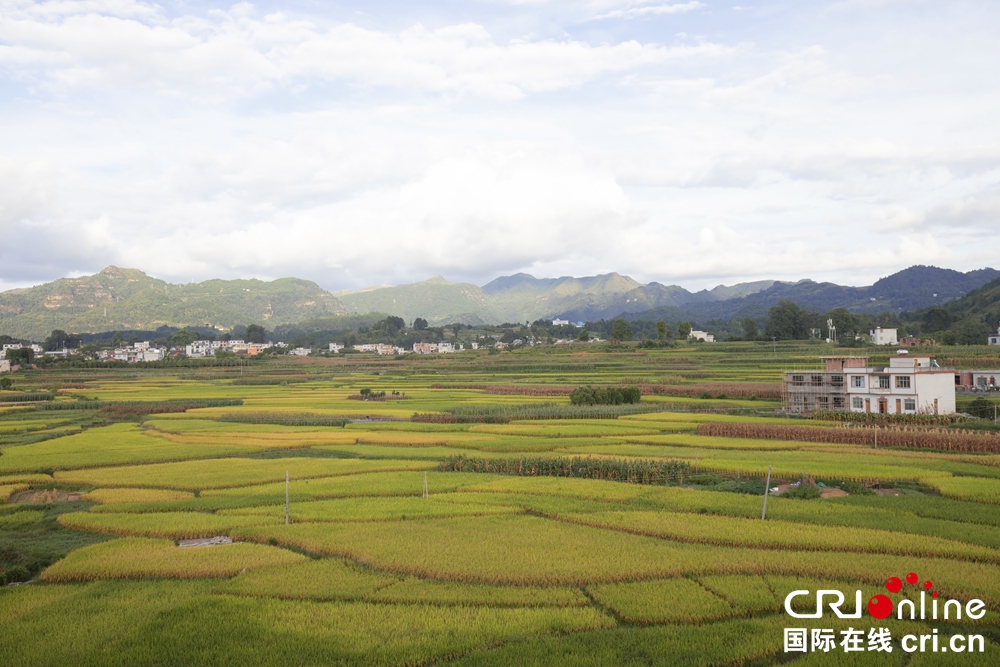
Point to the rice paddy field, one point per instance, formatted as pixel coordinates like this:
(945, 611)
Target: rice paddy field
(477, 518)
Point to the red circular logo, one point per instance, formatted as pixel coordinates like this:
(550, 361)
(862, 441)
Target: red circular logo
(880, 606)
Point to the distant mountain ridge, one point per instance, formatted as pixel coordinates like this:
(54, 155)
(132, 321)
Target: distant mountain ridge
(119, 298)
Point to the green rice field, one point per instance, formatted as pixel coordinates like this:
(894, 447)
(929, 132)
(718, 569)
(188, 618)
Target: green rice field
(463, 527)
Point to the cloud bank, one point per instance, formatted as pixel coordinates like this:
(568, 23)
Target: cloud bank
(682, 142)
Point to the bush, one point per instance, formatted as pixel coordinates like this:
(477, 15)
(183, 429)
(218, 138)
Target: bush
(981, 408)
(855, 489)
(14, 574)
(802, 492)
(604, 395)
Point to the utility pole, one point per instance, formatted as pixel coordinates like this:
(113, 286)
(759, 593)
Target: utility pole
(774, 345)
(426, 494)
(286, 497)
(767, 490)
(876, 436)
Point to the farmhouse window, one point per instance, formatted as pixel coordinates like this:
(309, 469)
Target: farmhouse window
(858, 381)
(910, 405)
(857, 403)
(798, 380)
(902, 382)
(837, 380)
(883, 381)
(816, 380)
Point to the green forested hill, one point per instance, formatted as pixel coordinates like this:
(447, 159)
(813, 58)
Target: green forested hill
(129, 299)
(981, 305)
(116, 299)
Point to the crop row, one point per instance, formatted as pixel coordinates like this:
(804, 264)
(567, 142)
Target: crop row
(283, 418)
(897, 437)
(28, 397)
(527, 550)
(706, 529)
(228, 472)
(634, 471)
(184, 623)
(137, 557)
(142, 407)
(662, 601)
(111, 445)
(173, 525)
(881, 418)
(334, 579)
(553, 411)
(124, 495)
(363, 509)
(511, 389)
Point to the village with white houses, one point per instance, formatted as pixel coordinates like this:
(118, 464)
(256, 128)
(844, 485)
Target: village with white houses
(911, 383)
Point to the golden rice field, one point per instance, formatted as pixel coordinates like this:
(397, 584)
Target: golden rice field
(389, 558)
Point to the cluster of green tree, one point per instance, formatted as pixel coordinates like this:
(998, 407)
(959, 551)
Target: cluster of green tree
(604, 395)
(982, 408)
(620, 329)
(954, 324)
(788, 321)
(21, 355)
(59, 340)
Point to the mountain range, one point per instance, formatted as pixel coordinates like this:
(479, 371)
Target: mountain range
(122, 299)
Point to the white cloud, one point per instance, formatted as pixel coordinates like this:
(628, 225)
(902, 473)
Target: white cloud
(363, 149)
(235, 52)
(650, 10)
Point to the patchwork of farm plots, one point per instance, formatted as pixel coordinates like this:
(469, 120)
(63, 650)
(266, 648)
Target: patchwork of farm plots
(389, 559)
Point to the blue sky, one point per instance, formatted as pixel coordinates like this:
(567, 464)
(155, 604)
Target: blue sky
(357, 144)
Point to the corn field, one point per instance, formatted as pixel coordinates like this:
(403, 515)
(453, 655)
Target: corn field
(888, 437)
(512, 389)
(26, 397)
(618, 470)
(142, 407)
(882, 418)
(283, 418)
(553, 411)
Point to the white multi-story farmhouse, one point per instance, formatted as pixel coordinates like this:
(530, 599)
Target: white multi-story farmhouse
(910, 384)
(882, 336)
